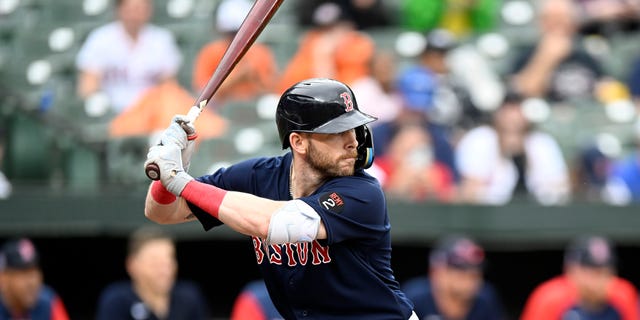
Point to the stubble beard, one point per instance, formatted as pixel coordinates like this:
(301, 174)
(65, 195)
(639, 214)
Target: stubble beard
(329, 168)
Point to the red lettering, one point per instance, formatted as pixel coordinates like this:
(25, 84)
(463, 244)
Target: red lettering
(303, 252)
(336, 198)
(289, 250)
(319, 253)
(257, 248)
(276, 256)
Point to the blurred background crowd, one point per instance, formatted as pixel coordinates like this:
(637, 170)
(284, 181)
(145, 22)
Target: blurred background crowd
(479, 102)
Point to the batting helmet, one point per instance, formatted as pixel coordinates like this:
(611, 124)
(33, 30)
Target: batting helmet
(324, 106)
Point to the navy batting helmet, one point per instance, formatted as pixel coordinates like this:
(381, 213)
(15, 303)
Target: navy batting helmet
(324, 106)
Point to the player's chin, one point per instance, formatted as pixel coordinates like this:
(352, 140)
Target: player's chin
(346, 167)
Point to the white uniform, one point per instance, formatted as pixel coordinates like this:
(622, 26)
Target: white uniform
(478, 156)
(128, 68)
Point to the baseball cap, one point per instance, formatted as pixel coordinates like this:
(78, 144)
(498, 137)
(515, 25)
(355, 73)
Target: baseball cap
(231, 14)
(459, 252)
(440, 40)
(417, 86)
(18, 254)
(591, 251)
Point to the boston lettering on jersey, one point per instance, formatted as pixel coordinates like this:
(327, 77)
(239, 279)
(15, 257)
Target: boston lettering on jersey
(291, 254)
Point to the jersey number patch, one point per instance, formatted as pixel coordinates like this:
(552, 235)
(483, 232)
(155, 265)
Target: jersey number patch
(331, 201)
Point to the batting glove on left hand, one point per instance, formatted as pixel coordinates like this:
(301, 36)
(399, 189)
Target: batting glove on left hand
(169, 161)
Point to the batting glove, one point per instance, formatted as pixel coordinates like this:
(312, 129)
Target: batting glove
(182, 134)
(169, 161)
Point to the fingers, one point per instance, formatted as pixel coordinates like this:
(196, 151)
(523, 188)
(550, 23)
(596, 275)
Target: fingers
(174, 135)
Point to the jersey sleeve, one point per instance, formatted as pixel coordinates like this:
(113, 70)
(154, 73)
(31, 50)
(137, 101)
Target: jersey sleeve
(351, 208)
(549, 300)
(624, 297)
(58, 310)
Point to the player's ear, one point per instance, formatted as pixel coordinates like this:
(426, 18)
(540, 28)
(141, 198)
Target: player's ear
(298, 142)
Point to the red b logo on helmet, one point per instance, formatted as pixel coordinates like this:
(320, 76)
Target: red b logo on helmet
(347, 101)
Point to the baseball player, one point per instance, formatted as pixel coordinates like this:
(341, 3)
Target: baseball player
(318, 222)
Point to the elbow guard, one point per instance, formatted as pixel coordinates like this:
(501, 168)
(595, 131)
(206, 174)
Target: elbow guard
(295, 222)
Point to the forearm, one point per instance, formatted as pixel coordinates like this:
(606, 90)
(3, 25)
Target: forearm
(161, 208)
(534, 78)
(242, 212)
(88, 83)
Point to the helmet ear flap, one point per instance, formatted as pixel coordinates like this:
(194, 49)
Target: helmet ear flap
(365, 147)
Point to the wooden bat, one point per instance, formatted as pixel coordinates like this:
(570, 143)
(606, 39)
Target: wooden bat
(253, 24)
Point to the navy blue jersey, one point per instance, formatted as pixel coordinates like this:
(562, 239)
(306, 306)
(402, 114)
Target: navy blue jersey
(119, 301)
(486, 306)
(346, 276)
(44, 308)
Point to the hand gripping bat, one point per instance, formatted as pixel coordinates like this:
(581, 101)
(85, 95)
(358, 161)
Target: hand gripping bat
(253, 24)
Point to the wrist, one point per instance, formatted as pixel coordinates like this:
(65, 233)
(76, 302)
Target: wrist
(160, 194)
(177, 183)
(205, 196)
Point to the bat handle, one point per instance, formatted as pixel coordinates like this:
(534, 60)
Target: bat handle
(152, 170)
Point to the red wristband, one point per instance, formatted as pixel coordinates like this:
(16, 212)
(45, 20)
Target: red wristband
(205, 196)
(160, 194)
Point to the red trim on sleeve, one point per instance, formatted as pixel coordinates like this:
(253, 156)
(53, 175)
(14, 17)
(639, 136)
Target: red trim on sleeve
(58, 310)
(205, 196)
(160, 194)
(624, 297)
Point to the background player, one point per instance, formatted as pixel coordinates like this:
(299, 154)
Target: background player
(318, 222)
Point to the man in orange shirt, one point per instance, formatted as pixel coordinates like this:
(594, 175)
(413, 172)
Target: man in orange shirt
(588, 289)
(333, 48)
(254, 74)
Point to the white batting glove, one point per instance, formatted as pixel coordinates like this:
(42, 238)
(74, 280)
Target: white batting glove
(169, 161)
(182, 133)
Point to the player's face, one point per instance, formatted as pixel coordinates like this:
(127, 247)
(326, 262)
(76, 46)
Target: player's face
(463, 284)
(154, 266)
(22, 287)
(592, 283)
(333, 154)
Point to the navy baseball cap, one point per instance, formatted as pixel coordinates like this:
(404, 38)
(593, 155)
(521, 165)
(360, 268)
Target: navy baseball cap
(591, 251)
(18, 254)
(459, 252)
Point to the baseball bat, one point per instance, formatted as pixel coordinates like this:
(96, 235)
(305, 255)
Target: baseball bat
(253, 24)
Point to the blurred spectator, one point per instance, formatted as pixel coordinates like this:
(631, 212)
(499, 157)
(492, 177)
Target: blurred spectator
(254, 303)
(623, 178)
(126, 57)
(23, 294)
(588, 288)
(454, 287)
(510, 157)
(364, 14)
(332, 48)
(608, 16)
(455, 101)
(590, 171)
(408, 170)
(462, 17)
(377, 93)
(5, 184)
(633, 82)
(153, 291)
(254, 74)
(557, 67)
(417, 86)
(150, 114)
